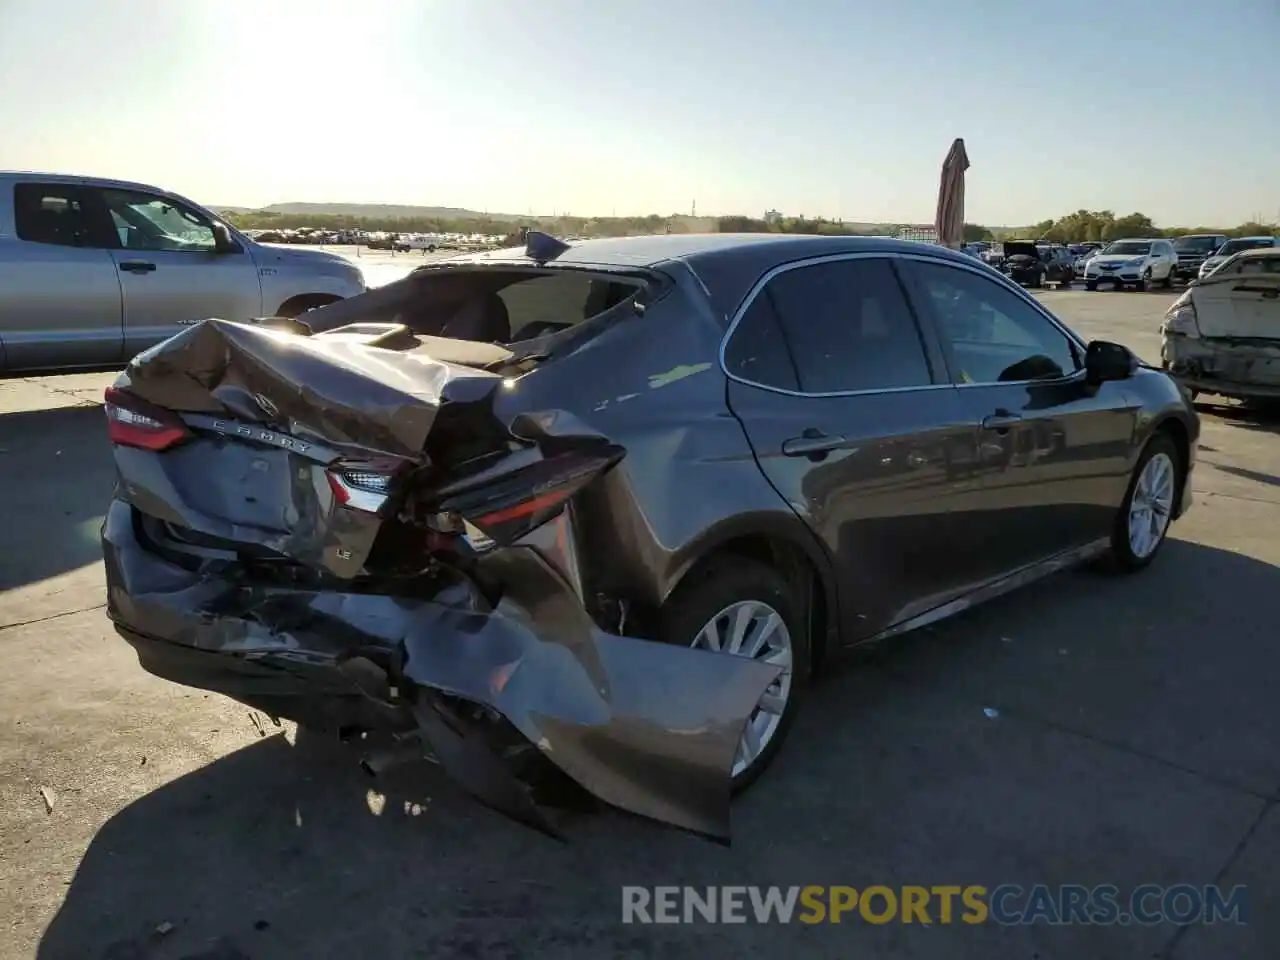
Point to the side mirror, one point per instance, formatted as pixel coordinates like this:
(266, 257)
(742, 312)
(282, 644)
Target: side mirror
(1105, 361)
(223, 242)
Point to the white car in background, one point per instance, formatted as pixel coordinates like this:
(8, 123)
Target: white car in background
(1223, 335)
(1231, 248)
(427, 242)
(1136, 263)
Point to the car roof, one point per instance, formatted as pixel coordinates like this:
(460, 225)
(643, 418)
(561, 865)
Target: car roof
(79, 180)
(1261, 236)
(726, 265)
(1258, 252)
(701, 248)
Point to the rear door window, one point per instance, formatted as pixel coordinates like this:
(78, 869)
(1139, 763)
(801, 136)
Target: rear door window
(54, 213)
(848, 327)
(758, 352)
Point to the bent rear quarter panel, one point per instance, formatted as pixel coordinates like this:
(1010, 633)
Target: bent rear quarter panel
(689, 481)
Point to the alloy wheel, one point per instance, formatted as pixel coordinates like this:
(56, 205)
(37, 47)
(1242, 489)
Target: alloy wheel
(1151, 506)
(752, 628)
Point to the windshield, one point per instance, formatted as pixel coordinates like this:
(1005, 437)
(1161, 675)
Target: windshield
(1130, 248)
(1196, 244)
(1247, 243)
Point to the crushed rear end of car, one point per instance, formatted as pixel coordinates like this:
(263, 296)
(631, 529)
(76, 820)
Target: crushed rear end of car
(351, 530)
(1223, 335)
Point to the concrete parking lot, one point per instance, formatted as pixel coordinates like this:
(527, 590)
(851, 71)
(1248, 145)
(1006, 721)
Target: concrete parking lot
(1087, 730)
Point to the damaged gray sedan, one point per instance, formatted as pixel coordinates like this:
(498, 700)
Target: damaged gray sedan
(601, 510)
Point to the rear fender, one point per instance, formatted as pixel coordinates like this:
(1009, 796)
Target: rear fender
(777, 526)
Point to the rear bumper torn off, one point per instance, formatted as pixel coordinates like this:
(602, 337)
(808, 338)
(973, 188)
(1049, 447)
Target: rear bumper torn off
(1244, 370)
(647, 727)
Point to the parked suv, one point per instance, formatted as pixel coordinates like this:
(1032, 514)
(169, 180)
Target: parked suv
(1133, 263)
(1193, 249)
(94, 271)
(1231, 248)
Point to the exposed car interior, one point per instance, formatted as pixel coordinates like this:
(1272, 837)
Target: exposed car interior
(543, 311)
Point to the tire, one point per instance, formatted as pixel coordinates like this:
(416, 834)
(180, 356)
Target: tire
(1167, 282)
(1124, 558)
(1091, 284)
(297, 306)
(696, 605)
(1064, 283)
(1143, 281)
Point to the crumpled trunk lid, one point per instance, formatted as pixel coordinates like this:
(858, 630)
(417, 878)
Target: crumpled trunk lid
(1239, 307)
(276, 422)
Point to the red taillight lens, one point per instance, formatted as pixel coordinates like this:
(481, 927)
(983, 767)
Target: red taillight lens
(132, 422)
(506, 510)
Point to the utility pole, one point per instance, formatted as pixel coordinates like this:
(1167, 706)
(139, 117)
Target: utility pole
(694, 212)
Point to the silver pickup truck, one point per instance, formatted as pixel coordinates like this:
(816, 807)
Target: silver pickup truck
(94, 271)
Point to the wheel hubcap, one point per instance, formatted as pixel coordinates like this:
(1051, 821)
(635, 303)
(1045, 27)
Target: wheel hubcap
(1151, 506)
(752, 628)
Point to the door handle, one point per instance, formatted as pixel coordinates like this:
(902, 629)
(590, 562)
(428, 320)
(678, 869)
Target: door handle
(813, 444)
(1001, 420)
(137, 266)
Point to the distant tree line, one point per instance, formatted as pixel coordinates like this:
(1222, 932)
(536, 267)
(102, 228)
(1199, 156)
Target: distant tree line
(1105, 225)
(1079, 226)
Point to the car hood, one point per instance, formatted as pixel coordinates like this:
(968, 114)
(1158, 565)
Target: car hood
(1114, 259)
(319, 261)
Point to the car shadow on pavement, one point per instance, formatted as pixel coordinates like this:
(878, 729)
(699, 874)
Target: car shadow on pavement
(1085, 730)
(58, 477)
(1234, 414)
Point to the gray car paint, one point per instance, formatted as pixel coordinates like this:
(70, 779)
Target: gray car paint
(67, 307)
(955, 519)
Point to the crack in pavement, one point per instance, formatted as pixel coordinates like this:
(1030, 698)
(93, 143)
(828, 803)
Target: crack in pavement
(1176, 938)
(52, 616)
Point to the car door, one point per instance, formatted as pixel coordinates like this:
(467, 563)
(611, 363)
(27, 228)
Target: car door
(171, 271)
(60, 300)
(1053, 448)
(848, 410)
(1168, 259)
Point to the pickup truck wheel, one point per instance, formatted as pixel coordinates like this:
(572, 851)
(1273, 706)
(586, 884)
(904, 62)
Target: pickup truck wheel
(296, 306)
(740, 607)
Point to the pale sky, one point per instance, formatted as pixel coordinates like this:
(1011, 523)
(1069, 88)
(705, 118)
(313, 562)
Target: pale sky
(840, 108)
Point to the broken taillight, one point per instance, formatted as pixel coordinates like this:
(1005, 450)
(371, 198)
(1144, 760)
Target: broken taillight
(1181, 319)
(363, 485)
(132, 422)
(506, 509)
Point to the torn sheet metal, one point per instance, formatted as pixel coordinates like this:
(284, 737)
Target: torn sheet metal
(647, 727)
(333, 389)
